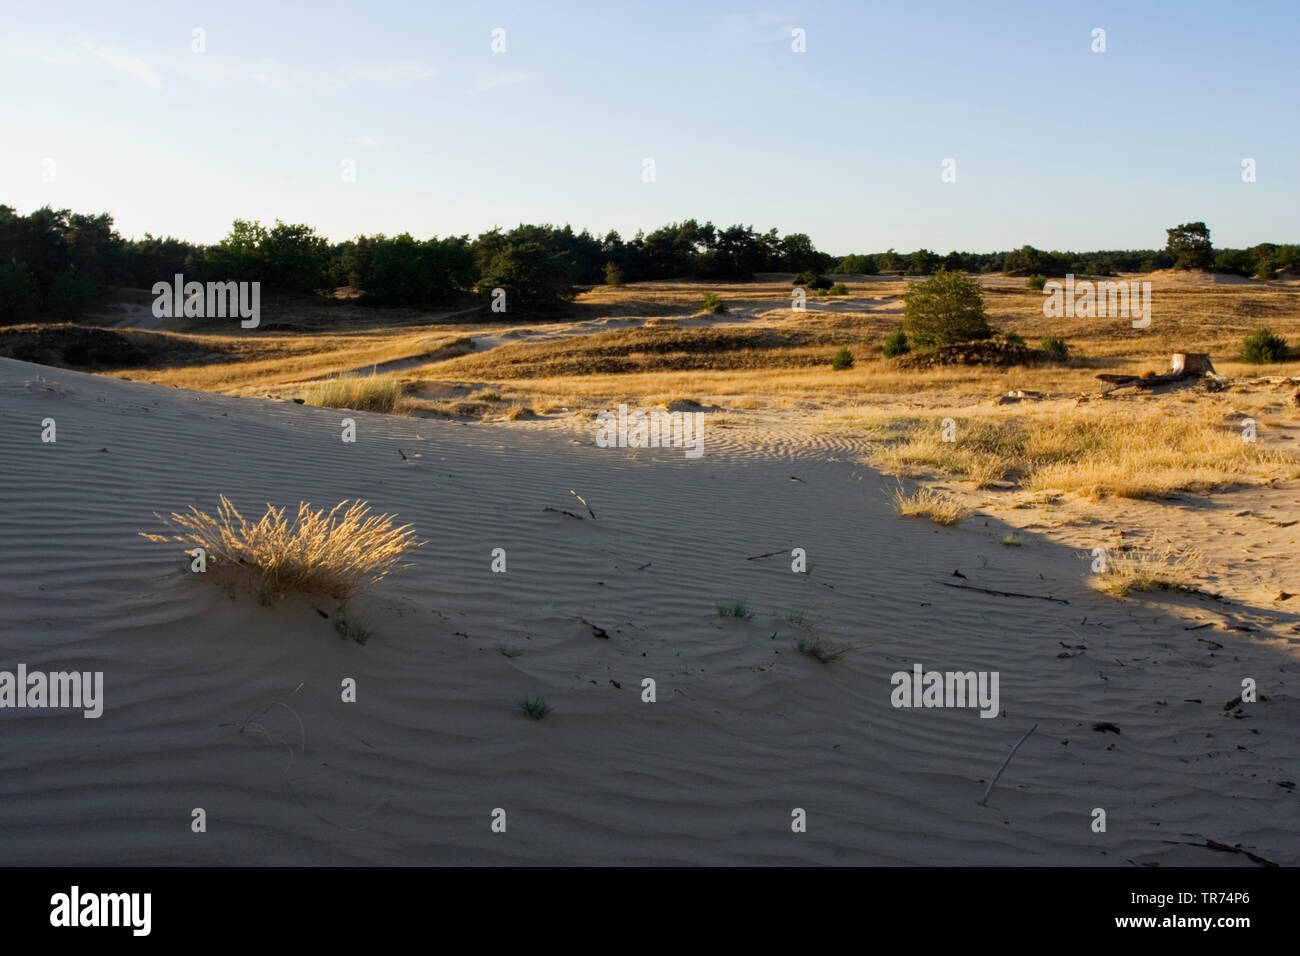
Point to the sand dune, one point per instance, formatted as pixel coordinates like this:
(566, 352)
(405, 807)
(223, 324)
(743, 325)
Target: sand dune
(236, 708)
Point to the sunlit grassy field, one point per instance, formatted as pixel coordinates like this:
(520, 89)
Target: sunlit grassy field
(1096, 450)
(650, 343)
(273, 363)
(646, 340)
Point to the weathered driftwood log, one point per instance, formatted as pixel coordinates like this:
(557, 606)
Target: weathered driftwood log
(1183, 365)
(1193, 363)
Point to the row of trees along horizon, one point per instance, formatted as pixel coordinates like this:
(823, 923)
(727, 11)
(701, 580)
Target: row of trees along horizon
(55, 264)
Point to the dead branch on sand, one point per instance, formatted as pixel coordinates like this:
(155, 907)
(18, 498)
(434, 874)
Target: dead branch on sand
(985, 801)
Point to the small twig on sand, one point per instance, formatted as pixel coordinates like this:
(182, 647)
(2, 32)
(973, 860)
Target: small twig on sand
(596, 631)
(1225, 848)
(561, 511)
(971, 587)
(985, 802)
(768, 555)
(584, 501)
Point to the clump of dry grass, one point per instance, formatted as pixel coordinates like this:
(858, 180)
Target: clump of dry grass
(1154, 568)
(820, 649)
(930, 504)
(1122, 450)
(362, 393)
(335, 554)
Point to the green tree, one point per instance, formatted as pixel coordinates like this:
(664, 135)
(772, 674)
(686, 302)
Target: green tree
(18, 297)
(797, 253)
(896, 344)
(155, 259)
(238, 256)
(293, 258)
(855, 265)
(1264, 346)
(287, 257)
(397, 274)
(407, 272)
(945, 309)
(351, 261)
(71, 294)
(1287, 258)
(738, 252)
(922, 263)
(39, 240)
(672, 250)
(1189, 244)
(535, 270)
(1027, 260)
(1235, 261)
(94, 247)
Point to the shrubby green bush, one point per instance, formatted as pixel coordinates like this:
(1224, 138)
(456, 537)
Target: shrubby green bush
(945, 309)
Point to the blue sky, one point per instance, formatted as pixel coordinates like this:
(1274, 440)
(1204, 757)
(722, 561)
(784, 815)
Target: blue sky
(1055, 145)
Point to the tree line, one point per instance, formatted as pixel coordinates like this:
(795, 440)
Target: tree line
(1187, 246)
(55, 263)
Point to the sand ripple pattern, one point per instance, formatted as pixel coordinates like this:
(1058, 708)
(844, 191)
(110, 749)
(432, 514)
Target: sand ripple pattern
(223, 704)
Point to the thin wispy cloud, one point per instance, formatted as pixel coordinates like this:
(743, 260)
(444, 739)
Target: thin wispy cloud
(282, 77)
(213, 69)
(123, 62)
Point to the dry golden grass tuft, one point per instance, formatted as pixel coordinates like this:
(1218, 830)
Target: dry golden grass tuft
(362, 393)
(1094, 451)
(930, 504)
(1154, 568)
(334, 554)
